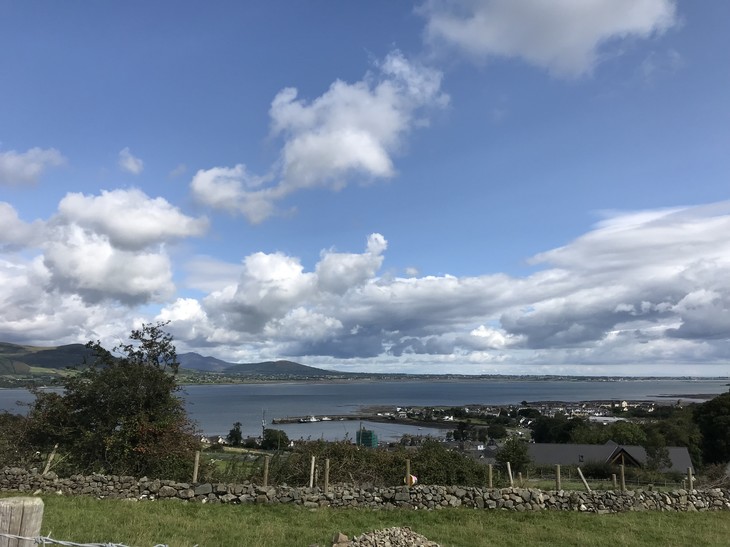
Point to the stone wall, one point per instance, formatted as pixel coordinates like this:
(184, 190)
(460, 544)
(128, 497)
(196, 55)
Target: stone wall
(415, 497)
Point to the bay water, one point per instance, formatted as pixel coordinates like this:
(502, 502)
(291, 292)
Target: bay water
(215, 408)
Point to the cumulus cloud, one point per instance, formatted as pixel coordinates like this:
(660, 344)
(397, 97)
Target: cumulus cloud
(105, 248)
(112, 246)
(129, 218)
(644, 287)
(27, 167)
(34, 314)
(130, 163)
(566, 37)
(640, 287)
(16, 234)
(353, 130)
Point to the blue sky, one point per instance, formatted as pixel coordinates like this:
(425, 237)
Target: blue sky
(441, 186)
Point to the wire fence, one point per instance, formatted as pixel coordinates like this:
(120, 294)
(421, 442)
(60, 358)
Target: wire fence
(45, 540)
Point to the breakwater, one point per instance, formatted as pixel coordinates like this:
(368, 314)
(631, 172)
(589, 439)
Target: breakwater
(414, 497)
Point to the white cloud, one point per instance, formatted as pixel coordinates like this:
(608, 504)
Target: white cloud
(235, 190)
(130, 163)
(15, 233)
(86, 263)
(129, 218)
(641, 287)
(27, 167)
(353, 130)
(340, 272)
(566, 37)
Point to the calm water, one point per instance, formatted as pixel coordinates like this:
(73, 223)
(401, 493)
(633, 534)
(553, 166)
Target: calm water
(216, 407)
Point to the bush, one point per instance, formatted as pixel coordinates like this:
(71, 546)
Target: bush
(120, 415)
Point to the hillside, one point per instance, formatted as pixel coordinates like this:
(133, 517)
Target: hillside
(17, 359)
(278, 368)
(195, 361)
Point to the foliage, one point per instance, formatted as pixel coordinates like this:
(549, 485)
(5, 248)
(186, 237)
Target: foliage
(497, 431)
(432, 463)
(235, 435)
(713, 419)
(120, 415)
(274, 439)
(14, 449)
(514, 451)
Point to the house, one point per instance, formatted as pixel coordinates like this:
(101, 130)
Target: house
(611, 453)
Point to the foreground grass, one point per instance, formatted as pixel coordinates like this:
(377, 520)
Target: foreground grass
(144, 524)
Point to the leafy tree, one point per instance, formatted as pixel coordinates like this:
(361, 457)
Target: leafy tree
(497, 431)
(274, 439)
(657, 454)
(235, 435)
(713, 419)
(626, 433)
(120, 415)
(514, 451)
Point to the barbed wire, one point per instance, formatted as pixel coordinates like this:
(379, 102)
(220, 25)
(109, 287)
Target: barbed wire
(45, 540)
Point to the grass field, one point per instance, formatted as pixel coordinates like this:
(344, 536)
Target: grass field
(144, 524)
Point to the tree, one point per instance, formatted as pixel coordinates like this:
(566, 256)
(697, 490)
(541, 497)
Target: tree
(120, 415)
(274, 439)
(713, 419)
(235, 435)
(514, 451)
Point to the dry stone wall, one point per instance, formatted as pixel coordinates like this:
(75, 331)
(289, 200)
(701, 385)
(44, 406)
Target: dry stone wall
(415, 497)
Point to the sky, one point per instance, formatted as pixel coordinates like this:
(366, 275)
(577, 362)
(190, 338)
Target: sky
(440, 186)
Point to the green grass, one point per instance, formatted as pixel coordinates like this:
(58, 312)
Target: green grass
(143, 524)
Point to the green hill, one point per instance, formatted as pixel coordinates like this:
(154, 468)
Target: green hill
(17, 359)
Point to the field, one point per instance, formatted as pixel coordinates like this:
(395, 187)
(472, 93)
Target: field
(176, 524)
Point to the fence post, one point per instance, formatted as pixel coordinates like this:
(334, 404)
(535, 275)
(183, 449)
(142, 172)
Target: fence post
(50, 459)
(613, 479)
(311, 473)
(267, 459)
(326, 475)
(520, 482)
(489, 468)
(622, 474)
(408, 472)
(690, 479)
(585, 483)
(558, 483)
(196, 466)
(509, 472)
(20, 517)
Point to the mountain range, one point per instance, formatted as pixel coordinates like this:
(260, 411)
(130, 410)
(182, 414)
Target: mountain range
(18, 359)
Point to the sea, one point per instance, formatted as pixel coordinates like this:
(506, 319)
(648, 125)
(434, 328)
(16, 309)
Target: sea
(215, 408)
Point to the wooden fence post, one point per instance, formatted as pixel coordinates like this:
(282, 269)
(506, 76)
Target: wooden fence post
(20, 517)
(585, 483)
(558, 482)
(690, 479)
(622, 474)
(520, 482)
(196, 466)
(326, 475)
(489, 472)
(408, 472)
(267, 459)
(311, 473)
(613, 480)
(509, 472)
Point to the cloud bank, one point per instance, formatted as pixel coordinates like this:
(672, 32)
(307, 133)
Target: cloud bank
(639, 289)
